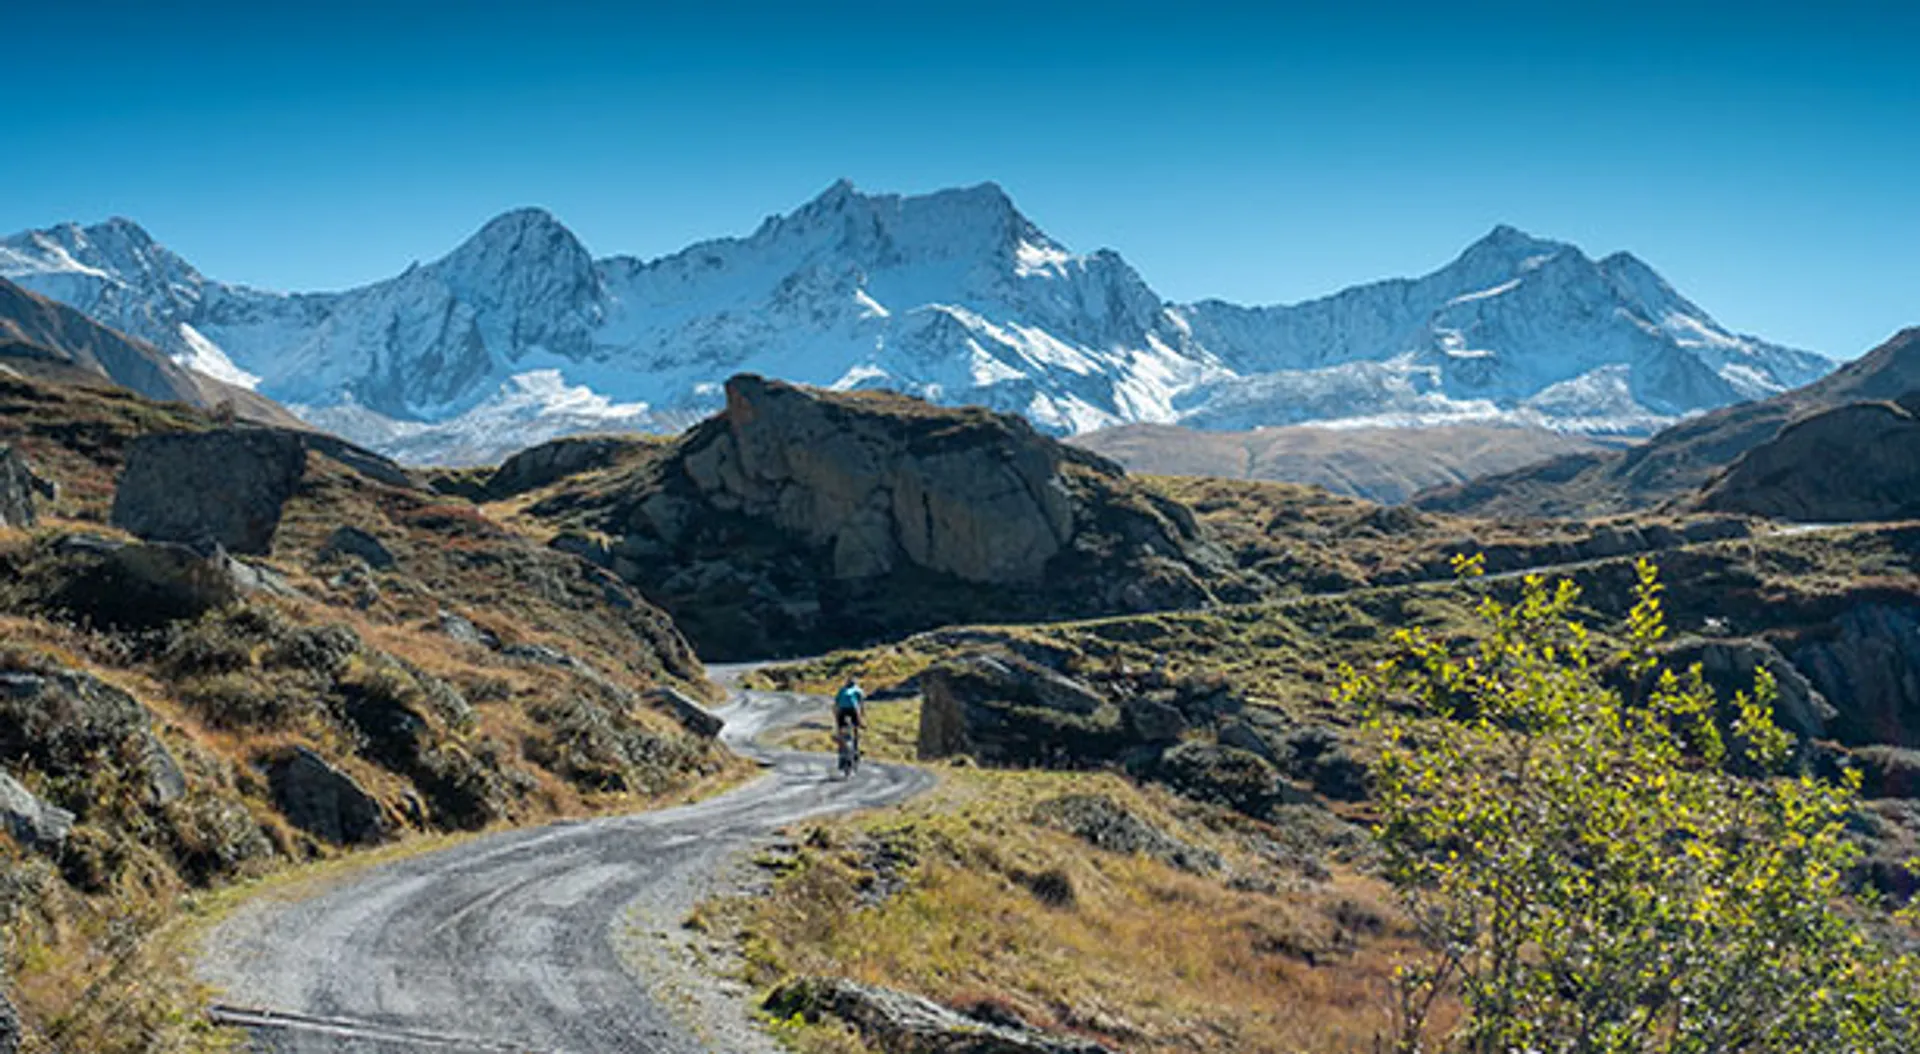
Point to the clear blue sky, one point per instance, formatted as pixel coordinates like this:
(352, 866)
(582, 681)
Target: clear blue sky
(1766, 159)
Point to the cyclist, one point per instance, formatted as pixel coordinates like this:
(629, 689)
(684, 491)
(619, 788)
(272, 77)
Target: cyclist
(849, 710)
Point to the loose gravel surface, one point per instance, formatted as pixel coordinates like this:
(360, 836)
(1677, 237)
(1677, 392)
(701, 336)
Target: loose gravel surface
(532, 940)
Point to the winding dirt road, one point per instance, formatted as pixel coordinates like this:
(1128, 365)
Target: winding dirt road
(510, 942)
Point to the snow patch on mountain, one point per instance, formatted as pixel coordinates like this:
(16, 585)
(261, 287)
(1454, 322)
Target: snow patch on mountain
(521, 334)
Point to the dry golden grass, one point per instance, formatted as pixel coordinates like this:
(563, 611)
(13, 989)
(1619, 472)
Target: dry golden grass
(1143, 956)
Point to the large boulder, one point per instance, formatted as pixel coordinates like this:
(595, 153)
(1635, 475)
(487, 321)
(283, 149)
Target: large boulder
(900, 1023)
(1225, 775)
(1003, 709)
(226, 487)
(29, 820)
(800, 520)
(18, 487)
(350, 541)
(324, 801)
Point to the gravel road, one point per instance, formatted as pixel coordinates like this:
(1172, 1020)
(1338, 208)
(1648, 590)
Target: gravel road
(512, 942)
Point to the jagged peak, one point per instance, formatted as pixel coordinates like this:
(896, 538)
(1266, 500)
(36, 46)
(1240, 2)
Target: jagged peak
(524, 236)
(1509, 241)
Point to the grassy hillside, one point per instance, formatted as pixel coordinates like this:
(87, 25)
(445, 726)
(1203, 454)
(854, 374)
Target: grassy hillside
(476, 679)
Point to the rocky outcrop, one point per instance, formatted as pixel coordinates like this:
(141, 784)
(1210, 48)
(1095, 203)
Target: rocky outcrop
(899, 1023)
(801, 520)
(111, 583)
(29, 820)
(1729, 667)
(1867, 663)
(226, 487)
(555, 460)
(976, 495)
(63, 722)
(1003, 709)
(1853, 463)
(18, 487)
(322, 800)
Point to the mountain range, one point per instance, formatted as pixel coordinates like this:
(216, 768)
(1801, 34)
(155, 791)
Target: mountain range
(521, 334)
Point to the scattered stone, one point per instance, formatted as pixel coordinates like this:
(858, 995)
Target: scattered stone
(462, 629)
(348, 540)
(226, 487)
(18, 486)
(1105, 824)
(32, 822)
(692, 716)
(542, 655)
(899, 1023)
(324, 801)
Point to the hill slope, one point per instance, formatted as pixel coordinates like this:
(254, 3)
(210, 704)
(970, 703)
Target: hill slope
(42, 338)
(1681, 459)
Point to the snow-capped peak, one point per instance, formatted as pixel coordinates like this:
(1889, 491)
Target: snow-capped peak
(955, 295)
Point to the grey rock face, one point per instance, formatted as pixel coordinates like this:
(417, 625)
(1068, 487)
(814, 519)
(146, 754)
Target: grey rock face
(348, 540)
(1869, 668)
(323, 801)
(983, 501)
(18, 487)
(226, 487)
(901, 1023)
(31, 821)
(1729, 667)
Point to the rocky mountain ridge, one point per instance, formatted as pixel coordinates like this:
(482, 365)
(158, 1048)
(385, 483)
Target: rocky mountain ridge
(520, 334)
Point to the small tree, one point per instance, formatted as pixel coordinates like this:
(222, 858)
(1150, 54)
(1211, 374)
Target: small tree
(1585, 872)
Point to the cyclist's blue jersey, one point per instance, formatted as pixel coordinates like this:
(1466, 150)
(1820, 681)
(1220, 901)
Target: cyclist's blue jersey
(849, 698)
